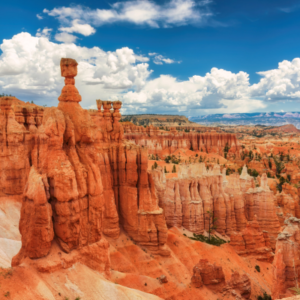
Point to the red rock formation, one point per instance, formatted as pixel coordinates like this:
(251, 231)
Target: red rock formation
(252, 242)
(208, 274)
(186, 199)
(14, 162)
(158, 140)
(287, 203)
(239, 286)
(286, 261)
(260, 202)
(237, 199)
(36, 225)
(94, 179)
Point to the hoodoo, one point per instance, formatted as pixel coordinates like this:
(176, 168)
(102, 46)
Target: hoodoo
(85, 178)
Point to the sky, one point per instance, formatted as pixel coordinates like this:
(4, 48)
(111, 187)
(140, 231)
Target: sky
(188, 57)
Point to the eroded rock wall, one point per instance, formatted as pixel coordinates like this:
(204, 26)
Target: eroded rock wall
(160, 141)
(286, 261)
(233, 201)
(252, 241)
(85, 178)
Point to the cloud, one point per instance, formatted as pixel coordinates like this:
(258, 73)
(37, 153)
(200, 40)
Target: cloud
(217, 91)
(43, 33)
(279, 84)
(159, 59)
(39, 16)
(29, 69)
(84, 29)
(147, 13)
(65, 37)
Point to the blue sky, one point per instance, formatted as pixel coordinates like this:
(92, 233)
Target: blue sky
(175, 56)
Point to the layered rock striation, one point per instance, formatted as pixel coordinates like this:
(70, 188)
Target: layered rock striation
(286, 261)
(187, 200)
(165, 142)
(260, 202)
(211, 275)
(252, 241)
(84, 179)
(233, 201)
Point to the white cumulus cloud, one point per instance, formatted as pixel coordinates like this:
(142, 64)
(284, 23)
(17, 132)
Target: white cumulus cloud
(160, 59)
(65, 37)
(280, 84)
(29, 69)
(217, 91)
(43, 33)
(76, 27)
(171, 13)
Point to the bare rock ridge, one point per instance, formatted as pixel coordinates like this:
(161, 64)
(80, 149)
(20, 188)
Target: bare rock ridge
(85, 176)
(158, 140)
(212, 276)
(286, 261)
(252, 241)
(243, 211)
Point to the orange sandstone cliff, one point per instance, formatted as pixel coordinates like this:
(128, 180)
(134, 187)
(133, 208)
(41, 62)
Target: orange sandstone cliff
(165, 142)
(84, 180)
(89, 201)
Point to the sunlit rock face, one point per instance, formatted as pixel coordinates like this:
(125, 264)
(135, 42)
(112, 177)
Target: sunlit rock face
(81, 179)
(252, 241)
(286, 260)
(160, 141)
(187, 198)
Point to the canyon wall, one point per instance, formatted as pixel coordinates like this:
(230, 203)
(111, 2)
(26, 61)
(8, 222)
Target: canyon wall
(80, 178)
(233, 200)
(165, 142)
(287, 259)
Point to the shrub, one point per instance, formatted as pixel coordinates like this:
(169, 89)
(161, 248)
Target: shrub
(264, 297)
(167, 159)
(296, 290)
(174, 169)
(257, 268)
(214, 240)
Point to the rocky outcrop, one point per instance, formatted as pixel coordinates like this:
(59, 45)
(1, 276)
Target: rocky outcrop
(252, 241)
(238, 286)
(186, 200)
(86, 179)
(15, 142)
(287, 203)
(259, 202)
(36, 225)
(237, 199)
(286, 260)
(205, 273)
(212, 276)
(165, 142)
